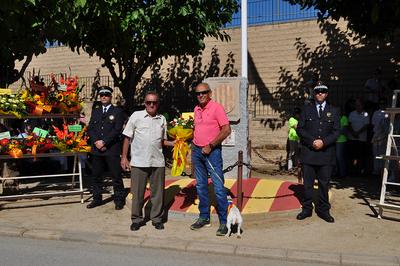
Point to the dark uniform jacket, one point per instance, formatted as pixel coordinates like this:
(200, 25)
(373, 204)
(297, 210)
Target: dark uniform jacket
(311, 127)
(107, 127)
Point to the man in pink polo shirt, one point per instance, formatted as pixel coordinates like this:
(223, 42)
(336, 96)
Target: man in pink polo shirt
(211, 128)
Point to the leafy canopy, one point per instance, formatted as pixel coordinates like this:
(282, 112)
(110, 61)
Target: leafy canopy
(25, 25)
(373, 18)
(131, 35)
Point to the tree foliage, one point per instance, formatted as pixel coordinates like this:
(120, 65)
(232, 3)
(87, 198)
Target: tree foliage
(24, 27)
(131, 35)
(371, 18)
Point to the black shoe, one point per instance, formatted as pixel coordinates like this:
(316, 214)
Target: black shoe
(119, 206)
(303, 215)
(326, 217)
(200, 223)
(94, 204)
(222, 230)
(135, 226)
(158, 226)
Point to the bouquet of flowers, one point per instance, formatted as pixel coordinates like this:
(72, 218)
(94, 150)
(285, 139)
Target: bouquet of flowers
(11, 104)
(67, 141)
(180, 129)
(66, 94)
(12, 147)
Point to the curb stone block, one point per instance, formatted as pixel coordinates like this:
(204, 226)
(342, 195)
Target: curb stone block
(42, 234)
(272, 253)
(211, 248)
(80, 236)
(369, 260)
(165, 244)
(120, 240)
(11, 231)
(310, 256)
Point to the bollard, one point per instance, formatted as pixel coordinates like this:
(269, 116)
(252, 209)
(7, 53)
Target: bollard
(239, 181)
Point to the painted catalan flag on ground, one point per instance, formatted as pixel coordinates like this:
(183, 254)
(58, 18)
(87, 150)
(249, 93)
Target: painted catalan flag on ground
(260, 195)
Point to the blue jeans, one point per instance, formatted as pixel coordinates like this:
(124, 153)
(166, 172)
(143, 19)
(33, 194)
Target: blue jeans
(204, 165)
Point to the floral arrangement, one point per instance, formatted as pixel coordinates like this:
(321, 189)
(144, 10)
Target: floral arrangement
(63, 141)
(61, 96)
(32, 144)
(12, 105)
(180, 129)
(187, 123)
(67, 141)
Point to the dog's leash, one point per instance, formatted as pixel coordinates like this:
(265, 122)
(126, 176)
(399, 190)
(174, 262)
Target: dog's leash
(212, 167)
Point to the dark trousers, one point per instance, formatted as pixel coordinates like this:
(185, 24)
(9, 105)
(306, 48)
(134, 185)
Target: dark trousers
(99, 164)
(358, 151)
(323, 175)
(139, 177)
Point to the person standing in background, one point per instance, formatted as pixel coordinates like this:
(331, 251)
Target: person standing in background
(358, 145)
(341, 148)
(293, 140)
(318, 129)
(104, 130)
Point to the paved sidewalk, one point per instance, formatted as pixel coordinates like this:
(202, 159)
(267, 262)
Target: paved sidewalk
(356, 238)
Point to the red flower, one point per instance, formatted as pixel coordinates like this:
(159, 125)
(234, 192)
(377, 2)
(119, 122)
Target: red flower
(4, 142)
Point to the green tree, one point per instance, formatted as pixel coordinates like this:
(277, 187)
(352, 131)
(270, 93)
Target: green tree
(131, 35)
(25, 25)
(371, 18)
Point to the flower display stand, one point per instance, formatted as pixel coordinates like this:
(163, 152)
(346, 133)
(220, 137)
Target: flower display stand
(74, 186)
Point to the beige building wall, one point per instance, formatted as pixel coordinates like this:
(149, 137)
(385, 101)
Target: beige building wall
(281, 58)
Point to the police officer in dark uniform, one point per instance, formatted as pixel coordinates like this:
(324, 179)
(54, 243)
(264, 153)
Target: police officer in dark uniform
(318, 129)
(104, 130)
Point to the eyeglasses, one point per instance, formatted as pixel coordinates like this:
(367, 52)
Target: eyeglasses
(198, 93)
(320, 91)
(105, 95)
(151, 102)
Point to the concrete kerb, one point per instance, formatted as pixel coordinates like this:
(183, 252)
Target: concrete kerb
(203, 247)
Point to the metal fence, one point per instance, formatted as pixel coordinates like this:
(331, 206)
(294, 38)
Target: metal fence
(272, 11)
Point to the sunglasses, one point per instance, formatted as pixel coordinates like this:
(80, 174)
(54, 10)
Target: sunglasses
(105, 95)
(151, 102)
(198, 93)
(320, 91)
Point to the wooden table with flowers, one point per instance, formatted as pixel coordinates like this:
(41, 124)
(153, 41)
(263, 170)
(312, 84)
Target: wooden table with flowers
(60, 101)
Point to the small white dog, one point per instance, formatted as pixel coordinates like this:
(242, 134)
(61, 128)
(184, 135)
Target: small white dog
(234, 217)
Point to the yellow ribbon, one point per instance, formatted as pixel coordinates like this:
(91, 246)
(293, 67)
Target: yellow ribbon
(181, 148)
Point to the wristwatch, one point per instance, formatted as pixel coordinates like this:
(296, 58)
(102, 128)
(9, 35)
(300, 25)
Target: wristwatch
(211, 146)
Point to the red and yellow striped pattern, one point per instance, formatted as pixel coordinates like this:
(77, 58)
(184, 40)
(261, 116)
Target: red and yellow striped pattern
(260, 195)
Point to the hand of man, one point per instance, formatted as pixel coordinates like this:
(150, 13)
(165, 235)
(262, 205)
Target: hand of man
(99, 144)
(206, 150)
(125, 165)
(318, 144)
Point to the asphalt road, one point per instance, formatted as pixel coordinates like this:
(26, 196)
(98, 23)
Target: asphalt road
(23, 251)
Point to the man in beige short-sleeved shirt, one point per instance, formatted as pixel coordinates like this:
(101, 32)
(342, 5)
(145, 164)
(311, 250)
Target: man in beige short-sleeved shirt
(146, 131)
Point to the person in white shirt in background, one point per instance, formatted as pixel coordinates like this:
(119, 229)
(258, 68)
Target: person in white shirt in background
(357, 138)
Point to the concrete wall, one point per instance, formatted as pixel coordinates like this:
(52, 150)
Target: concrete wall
(281, 58)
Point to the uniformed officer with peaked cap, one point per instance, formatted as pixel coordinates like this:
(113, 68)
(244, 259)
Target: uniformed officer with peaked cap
(104, 130)
(318, 129)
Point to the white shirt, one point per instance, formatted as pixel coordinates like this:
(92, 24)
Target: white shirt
(148, 134)
(357, 121)
(105, 108)
(318, 104)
